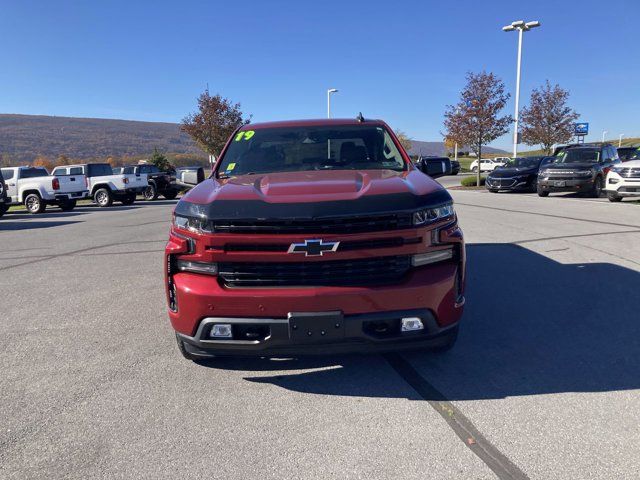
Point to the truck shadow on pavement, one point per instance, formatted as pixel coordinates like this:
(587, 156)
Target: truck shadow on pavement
(531, 326)
(8, 225)
(24, 215)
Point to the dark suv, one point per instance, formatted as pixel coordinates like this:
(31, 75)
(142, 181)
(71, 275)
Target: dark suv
(160, 183)
(578, 168)
(3, 197)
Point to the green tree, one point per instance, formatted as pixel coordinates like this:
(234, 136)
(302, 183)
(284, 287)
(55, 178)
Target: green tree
(160, 160)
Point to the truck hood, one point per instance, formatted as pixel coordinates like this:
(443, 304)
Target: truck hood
(312, 194)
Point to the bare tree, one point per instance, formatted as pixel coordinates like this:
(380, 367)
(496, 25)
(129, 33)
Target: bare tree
(475, 120)
(548, 119)
(217, 118)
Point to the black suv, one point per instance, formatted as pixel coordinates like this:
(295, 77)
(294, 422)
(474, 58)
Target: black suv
(517, 175)
(578, 168)
(3, 197)
(160, 183)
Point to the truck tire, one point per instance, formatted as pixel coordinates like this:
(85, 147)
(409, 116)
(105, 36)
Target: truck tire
(474, 169)
(448, 341)
(67, 205)
(542, 192)
(129, 199)
(34, 203)
(614, 197)
(150, 193)
(103, 197)
(596, 190)
(170, 194)
(183, 351)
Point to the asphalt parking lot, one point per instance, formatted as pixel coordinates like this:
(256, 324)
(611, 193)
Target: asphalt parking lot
(543, 383)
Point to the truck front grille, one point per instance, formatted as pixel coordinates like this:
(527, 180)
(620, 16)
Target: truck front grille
(629, 172)
(350, 224)
(501, 182)
(361, 272)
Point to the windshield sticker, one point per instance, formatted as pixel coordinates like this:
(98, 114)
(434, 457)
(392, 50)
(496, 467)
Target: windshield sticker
(231, 166)
(246, 135)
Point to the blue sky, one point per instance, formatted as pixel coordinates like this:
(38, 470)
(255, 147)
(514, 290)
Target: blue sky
(402, 61)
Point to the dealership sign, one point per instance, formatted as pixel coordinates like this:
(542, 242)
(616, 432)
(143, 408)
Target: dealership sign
(581, 129)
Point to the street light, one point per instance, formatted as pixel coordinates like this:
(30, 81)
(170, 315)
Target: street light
(620, 140)
(604, 132)
(522, 27)
(329, 92)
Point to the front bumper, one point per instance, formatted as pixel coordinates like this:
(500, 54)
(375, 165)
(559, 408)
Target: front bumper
(350, 334)
(432, 293)
(510, 184)
(566, 185)
(621, 186)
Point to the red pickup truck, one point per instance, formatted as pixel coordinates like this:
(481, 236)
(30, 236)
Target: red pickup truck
(315, 237)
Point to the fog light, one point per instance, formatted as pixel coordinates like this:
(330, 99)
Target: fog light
(222, 330)
(411, 324)
(613, 180)
(431, 257)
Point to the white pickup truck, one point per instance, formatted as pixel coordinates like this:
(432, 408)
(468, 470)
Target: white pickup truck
(104, 185)
(35, 188)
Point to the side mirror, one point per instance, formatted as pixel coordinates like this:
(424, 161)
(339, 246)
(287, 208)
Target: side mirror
(436, 167)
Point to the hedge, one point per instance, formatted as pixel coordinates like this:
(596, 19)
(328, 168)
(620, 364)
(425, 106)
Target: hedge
(470, 181)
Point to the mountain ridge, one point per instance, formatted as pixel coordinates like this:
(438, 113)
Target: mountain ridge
(25, 137)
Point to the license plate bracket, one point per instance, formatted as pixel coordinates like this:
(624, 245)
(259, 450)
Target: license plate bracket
(314, 327)
(560, 183)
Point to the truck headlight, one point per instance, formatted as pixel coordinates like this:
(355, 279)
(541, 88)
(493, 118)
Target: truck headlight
(430, 215)
(192, 224)
(584, 173)
(197, 267)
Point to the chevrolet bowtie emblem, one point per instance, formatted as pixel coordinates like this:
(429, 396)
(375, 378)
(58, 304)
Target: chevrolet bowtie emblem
(313, 248)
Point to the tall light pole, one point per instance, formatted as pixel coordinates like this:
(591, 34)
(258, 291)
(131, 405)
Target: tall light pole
(604, 132)
(521, 27)
(329, 92)
(620, 140)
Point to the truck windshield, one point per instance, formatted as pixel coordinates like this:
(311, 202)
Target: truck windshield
(294, 149)
(579, 155)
